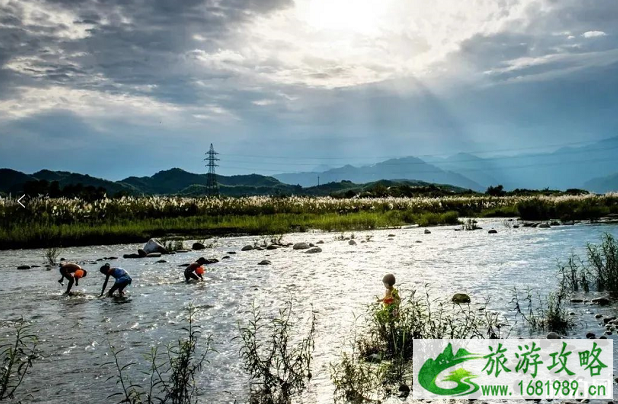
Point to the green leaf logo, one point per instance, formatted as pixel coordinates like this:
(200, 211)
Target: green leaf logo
(432, 368)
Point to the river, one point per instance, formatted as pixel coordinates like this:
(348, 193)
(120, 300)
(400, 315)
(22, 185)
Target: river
(75, 332)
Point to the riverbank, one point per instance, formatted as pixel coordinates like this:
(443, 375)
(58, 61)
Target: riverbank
(45, 222)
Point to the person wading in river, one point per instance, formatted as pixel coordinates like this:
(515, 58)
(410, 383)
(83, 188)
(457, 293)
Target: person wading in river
(120, 275)
(73, 273)
(195, 270)
(391, 299)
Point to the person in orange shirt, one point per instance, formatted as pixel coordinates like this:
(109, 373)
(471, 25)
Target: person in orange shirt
(195, 270)
(73, 273)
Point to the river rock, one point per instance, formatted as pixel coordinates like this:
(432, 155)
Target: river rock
(555, 223)
(493, 231)
(391, 235)
(418, 241)
(552, 335)
(516, 226)
(608, 332)
(314, 250)
(460, 298)
(111, 258)
(131, 256)
(544, 226)
(23, 267)
(301, 246)
(352, 242)
(231, 252)
(161, 262)
(258, 248)
(247, 248)
(153, 245)
(198, 246)
(577, 300)
(211, 260)
(181, 251)
(601, 301)
(264, 262)
(320, 242)
(154, 255)
(598, 315)
(404, 391)
(272, 247)
(225, 257)
(142, 253)
(590, 335)
(606, 320)
(427, 231)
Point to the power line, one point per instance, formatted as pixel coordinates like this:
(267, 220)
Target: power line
(423, 155)
(212, 188)
(515, 167)
(412, 163)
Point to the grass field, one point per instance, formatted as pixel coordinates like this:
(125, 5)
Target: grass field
(65, 222)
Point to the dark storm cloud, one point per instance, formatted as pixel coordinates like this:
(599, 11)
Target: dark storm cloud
(117, 43)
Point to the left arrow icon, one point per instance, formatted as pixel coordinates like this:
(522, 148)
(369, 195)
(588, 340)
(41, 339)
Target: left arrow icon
(19, 201)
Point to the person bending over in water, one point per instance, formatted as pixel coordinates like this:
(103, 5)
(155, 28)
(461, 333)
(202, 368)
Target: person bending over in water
(391, 298)
(195, 270)
(120, 275)
(73, 273)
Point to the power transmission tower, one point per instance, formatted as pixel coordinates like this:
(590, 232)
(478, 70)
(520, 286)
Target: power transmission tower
(212, 188)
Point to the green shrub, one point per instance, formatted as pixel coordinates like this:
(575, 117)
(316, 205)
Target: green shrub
(279, 371)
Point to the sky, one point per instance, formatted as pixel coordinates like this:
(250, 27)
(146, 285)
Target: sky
(115, 88)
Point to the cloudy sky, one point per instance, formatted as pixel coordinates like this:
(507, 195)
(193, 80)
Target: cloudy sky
(117, 88)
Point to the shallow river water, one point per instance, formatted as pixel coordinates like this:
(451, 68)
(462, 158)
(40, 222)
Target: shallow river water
(75, 332)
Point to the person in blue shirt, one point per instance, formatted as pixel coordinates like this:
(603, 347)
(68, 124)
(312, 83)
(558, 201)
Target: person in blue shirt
(120, 275)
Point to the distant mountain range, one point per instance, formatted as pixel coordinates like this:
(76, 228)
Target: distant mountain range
(603, 184)
(568, 167)
(179, 182)
(591, 167)
(410, 168)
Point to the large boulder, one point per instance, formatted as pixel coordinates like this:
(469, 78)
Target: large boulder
(460, 298)
(153, 245)
(198, 246)
(601, 301)
(301, 246)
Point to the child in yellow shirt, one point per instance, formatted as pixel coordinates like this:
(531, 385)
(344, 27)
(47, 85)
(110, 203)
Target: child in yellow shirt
(391, 298)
